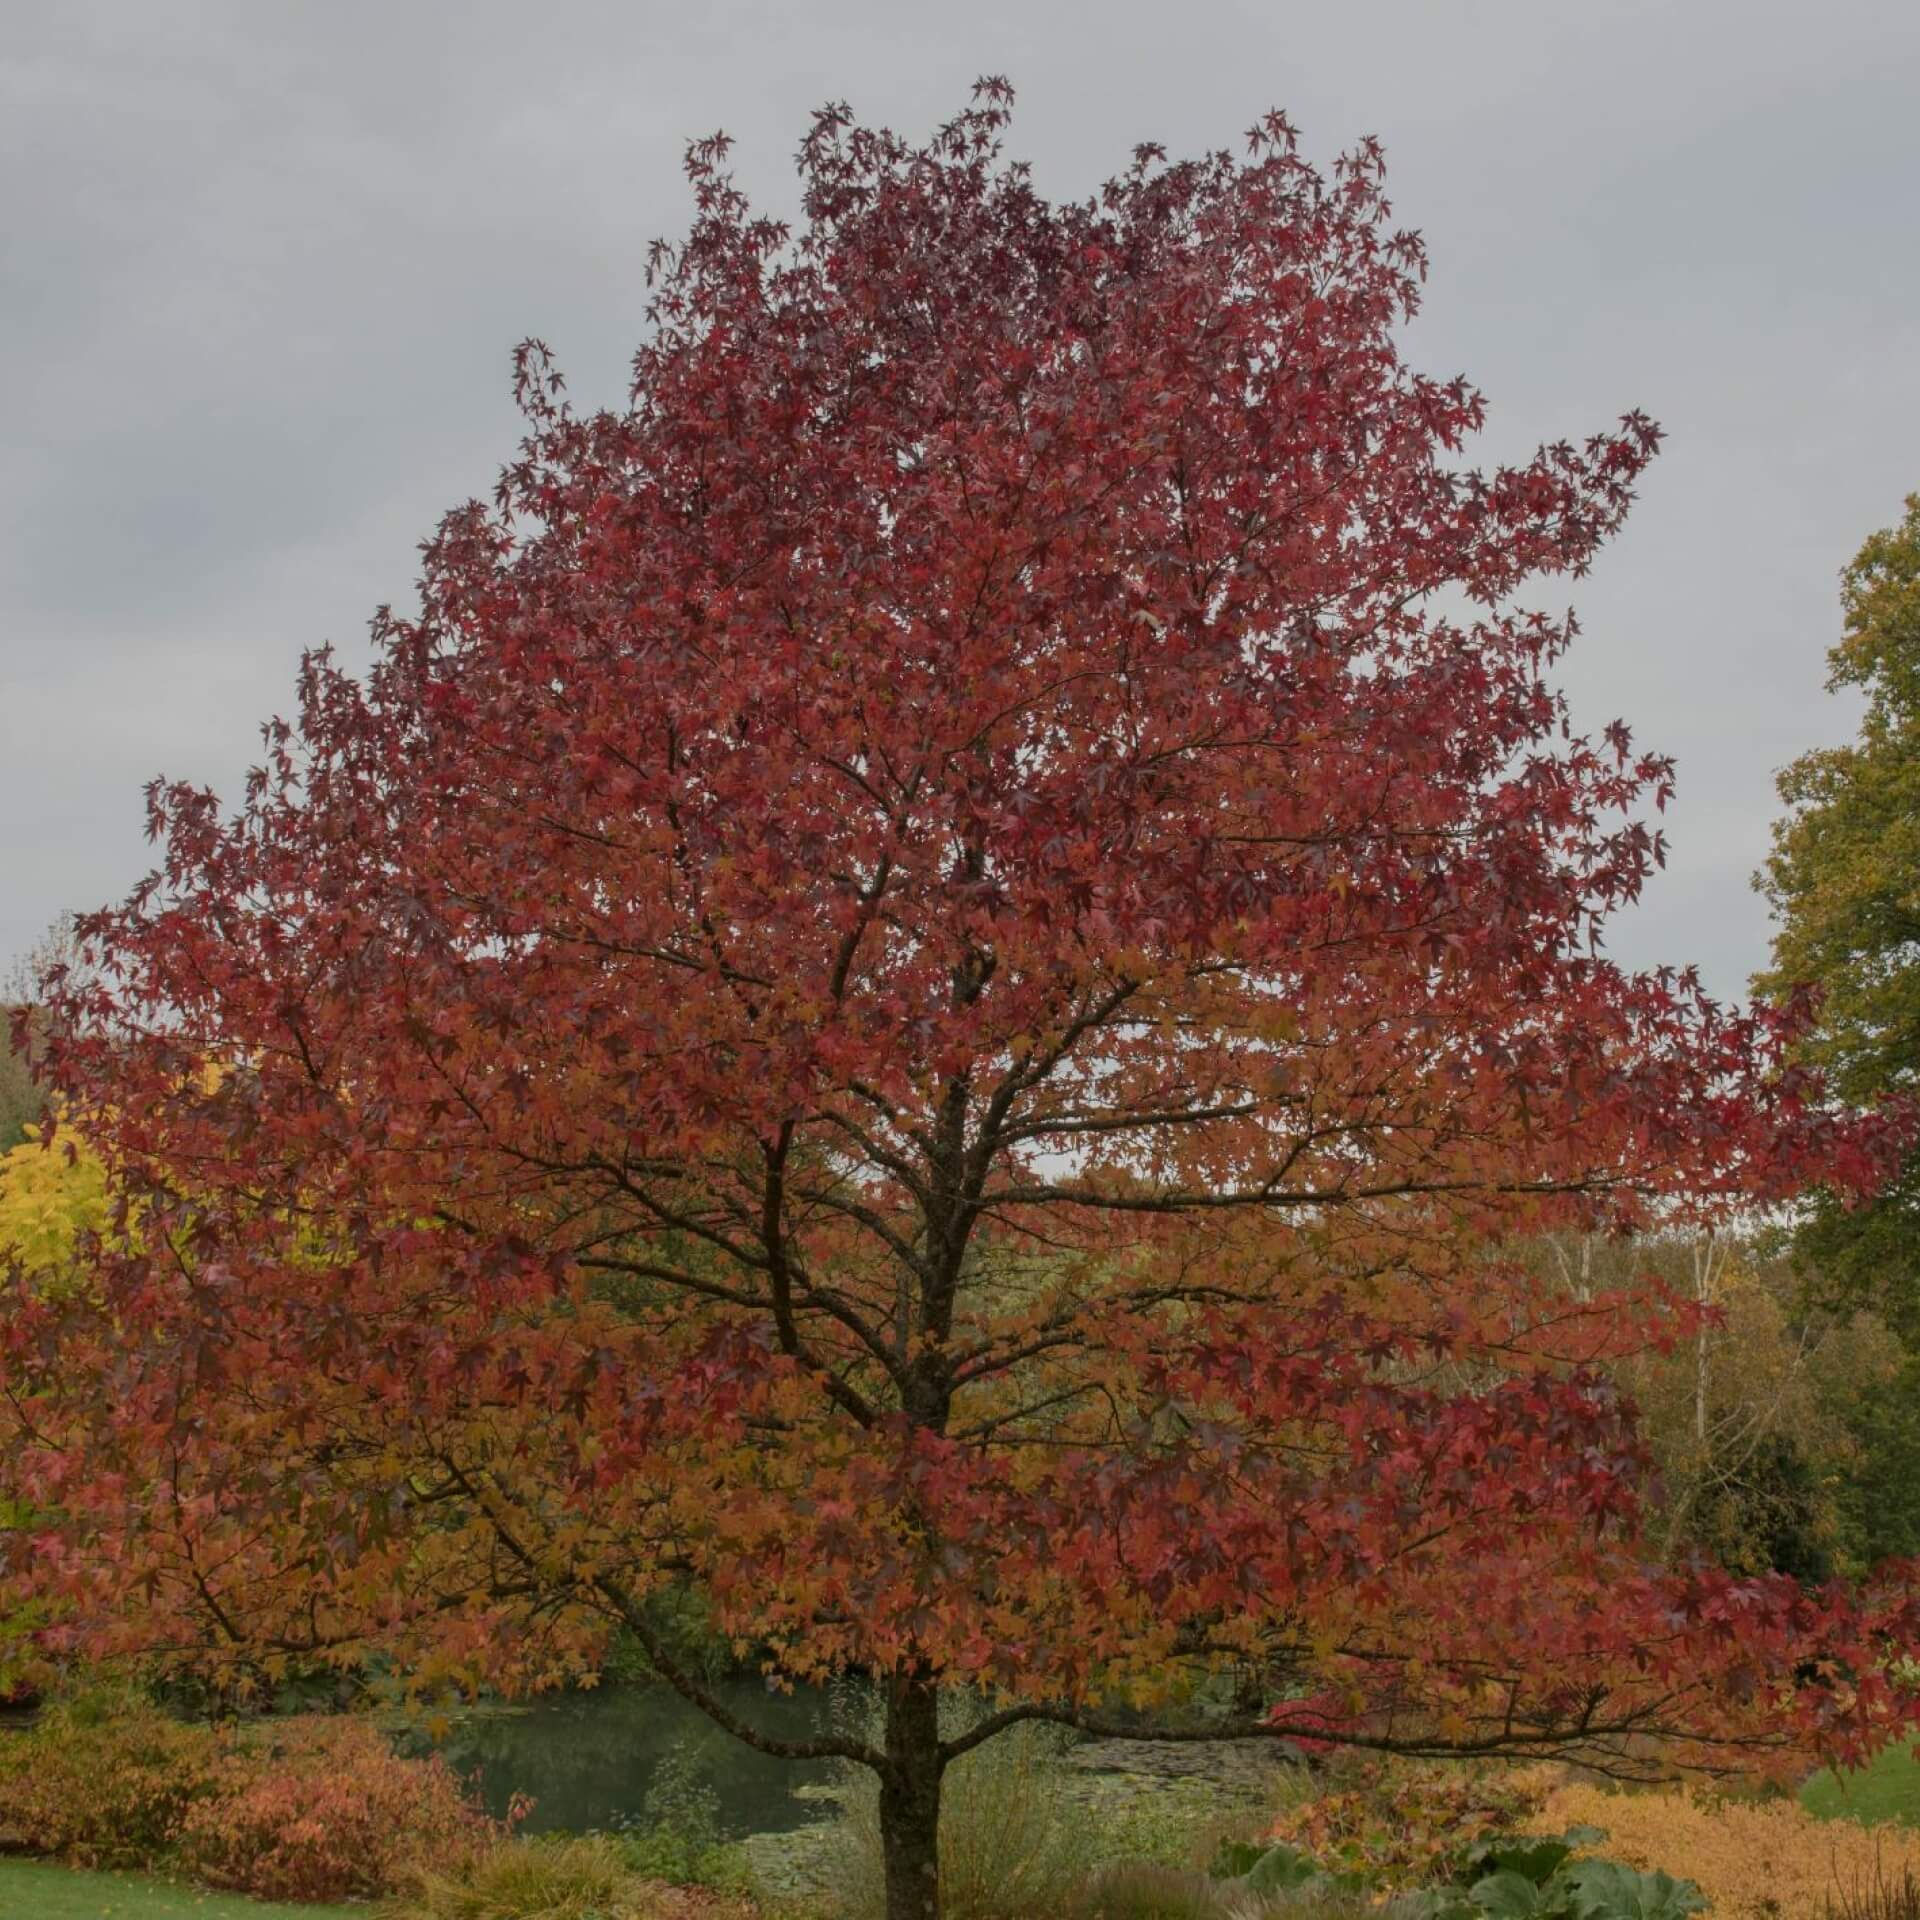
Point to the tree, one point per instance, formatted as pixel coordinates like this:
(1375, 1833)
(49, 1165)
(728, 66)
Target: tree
(21, 1096)
(923, 994)
(1844, 884)
(1752, 1422)
(51, 1203)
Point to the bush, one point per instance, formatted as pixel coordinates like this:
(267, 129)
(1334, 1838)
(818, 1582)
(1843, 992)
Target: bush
(308, 1809)
(106, 1779)
(326, 1810)
(677, 1837)
(1402, 1825)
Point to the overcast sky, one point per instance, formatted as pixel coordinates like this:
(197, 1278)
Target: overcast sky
(264, 263)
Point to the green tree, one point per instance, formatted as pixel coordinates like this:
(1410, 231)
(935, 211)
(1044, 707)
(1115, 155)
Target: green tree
(1844, 883)
(1759, 1423)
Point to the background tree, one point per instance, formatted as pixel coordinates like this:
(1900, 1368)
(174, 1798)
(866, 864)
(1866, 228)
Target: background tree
(1844, 883)
(21, 1095)
(20, 1100)
(926, 994)
(51, 1201)
(1754, 1420)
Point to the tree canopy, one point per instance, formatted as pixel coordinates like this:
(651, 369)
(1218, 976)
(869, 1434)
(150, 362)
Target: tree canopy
(1844, 883)
(923, 992)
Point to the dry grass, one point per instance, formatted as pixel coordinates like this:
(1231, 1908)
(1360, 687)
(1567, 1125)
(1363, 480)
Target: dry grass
(1012, 1845)
(579, 1879)
(1755, 1860)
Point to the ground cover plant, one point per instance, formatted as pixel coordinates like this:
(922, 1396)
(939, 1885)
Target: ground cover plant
(1405, 1826)
(1752, 1858)
(928, 994)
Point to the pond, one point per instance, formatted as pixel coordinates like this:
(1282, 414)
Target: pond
(588, 1759)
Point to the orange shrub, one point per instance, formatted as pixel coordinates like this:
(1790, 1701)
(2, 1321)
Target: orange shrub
(301, 1809)
(106, 1781)
(323, 1810)
(1753, 1859)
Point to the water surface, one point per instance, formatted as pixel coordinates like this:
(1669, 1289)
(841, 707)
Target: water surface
(588, 1759)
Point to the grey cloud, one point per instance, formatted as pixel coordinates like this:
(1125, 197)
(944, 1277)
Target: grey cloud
(261, 266)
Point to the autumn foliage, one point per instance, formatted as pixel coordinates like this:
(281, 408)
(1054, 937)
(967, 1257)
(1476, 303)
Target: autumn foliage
(310, 1809)
(1752, 1858)
(923, 993)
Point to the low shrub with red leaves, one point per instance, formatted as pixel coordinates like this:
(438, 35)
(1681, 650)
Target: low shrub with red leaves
(323, 1809)
(297, 1809)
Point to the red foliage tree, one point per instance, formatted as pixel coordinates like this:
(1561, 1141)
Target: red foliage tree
(922, 995)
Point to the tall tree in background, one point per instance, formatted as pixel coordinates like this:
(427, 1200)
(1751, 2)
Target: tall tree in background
(1844, 884)
(22, 1097)
(923, 994)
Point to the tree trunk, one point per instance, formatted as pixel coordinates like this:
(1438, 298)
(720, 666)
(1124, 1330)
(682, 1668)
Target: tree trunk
(910, 1799)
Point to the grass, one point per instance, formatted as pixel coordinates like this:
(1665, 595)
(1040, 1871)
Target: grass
(32, 1890)
(1887, 1789)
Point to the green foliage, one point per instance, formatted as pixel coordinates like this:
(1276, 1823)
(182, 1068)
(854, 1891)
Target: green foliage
(1606, 1890)
(1887, 1789)
(1771, 1503)
(1844, 883)
(1778, 1429)
(677, 1836)
(681, 1617)
(1186, 1823)
(1843, 880)
(1287, 1870)
(1877, 1497)
(1569, 1890)
(1535, 1858)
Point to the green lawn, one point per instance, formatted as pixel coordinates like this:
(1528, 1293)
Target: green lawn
(30, 1890)
(1889, 1789)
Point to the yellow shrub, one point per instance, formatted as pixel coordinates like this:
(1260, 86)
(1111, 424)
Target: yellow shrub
(49, 1197)
(1753, 1859)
